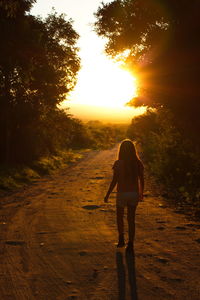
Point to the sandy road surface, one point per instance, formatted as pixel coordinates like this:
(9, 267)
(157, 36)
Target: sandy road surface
(58, 242)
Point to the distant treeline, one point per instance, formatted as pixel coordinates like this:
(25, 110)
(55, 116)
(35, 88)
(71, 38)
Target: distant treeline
(159, 41)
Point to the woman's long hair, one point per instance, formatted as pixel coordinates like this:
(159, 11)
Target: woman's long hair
(128, 154)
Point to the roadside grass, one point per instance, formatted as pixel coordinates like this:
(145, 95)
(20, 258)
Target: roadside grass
(12, 177)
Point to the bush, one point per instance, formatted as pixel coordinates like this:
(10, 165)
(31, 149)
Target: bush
(171, 157)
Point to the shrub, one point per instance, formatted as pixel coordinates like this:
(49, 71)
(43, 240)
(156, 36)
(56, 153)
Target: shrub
(172, 158)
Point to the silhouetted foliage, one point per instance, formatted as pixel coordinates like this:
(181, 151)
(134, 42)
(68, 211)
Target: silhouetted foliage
(14, 8)
(159, 40)
(38, 67)
(173, 161)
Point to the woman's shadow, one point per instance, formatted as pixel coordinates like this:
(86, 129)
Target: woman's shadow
(124, 260)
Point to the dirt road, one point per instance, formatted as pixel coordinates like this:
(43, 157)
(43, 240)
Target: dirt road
(58, 242)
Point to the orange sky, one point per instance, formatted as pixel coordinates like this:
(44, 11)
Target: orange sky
(102, 88)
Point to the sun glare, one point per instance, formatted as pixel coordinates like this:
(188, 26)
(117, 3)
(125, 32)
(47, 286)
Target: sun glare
(103, 88)
(104, 84)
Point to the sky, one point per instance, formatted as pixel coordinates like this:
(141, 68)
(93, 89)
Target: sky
(102, 88)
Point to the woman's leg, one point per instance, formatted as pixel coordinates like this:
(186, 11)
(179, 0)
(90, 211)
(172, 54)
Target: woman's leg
(120, 220)
(131, 222)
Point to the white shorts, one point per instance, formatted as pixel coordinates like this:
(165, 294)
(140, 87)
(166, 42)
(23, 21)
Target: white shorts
(127, 198)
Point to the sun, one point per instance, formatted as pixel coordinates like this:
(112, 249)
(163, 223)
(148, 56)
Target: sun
(104, 84)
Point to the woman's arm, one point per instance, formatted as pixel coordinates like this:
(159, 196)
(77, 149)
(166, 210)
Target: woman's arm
(141, 179)
(111, 187)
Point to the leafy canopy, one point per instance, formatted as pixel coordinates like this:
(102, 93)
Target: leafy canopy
(38, 66)
(159, 40)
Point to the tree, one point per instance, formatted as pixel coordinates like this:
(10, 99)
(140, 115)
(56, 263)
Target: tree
(38, 67)
(12, 8)
(159, 40)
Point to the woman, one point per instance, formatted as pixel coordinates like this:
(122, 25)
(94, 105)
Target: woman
(129, 176)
